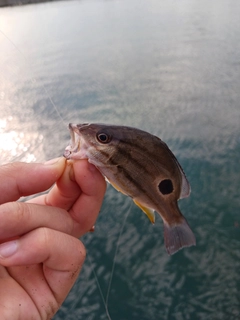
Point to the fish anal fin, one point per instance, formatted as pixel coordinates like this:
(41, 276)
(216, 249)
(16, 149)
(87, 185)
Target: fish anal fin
(178, 236)
(149, 212)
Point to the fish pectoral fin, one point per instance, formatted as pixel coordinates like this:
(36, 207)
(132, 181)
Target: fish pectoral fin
(149, 212)
(115, 186)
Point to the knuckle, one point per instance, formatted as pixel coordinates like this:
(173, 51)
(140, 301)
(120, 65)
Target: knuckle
(82, 249)
(21, 213)
(78, 259)
(82, 253)
(77, 251)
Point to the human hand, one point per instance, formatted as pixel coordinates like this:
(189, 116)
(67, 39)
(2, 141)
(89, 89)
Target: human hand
(40, 255)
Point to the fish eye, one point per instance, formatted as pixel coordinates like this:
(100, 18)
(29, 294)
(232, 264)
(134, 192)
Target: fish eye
(103, 137)
(165, 186)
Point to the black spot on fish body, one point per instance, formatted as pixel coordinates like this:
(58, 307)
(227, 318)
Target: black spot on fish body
(166, 186)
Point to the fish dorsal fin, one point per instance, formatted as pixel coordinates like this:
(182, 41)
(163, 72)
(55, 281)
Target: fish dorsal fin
(185, 188)
(149, 212)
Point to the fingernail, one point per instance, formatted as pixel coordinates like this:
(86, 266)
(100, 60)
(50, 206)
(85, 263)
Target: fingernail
(92, 229)
(7, 249)
(52, 161)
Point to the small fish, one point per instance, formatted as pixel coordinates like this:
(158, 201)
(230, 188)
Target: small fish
(141, 166)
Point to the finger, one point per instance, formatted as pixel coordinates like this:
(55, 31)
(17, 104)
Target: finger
(64, 193)
(85, 210)
(80, 190)
(18, 218)
(22, 179)
(62, 256)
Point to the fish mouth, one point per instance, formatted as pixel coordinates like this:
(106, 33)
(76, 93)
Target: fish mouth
(75, 142)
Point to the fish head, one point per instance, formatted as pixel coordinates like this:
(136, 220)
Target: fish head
(95, 142)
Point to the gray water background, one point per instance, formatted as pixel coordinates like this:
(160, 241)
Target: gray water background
(171, 68)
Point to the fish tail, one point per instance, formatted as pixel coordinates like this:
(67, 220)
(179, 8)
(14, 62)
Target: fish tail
(178, 236)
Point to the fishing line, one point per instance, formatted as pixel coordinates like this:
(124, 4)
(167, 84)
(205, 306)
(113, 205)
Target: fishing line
(105, 300)
(34, 80)
(115, 255)
(99, 287)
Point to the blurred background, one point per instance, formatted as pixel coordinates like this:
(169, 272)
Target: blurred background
(171, 68)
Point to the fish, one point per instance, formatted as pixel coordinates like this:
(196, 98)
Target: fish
(139, 165)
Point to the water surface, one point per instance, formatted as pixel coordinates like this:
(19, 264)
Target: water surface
(171, 68)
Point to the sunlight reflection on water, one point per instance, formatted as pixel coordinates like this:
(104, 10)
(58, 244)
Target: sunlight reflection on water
(17, 143)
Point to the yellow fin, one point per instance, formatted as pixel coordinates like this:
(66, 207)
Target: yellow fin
(115, 186)
(149, 212)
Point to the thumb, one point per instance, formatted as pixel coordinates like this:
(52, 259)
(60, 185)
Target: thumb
(21, 179)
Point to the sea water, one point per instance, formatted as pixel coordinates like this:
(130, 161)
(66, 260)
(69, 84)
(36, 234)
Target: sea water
(171, 68)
